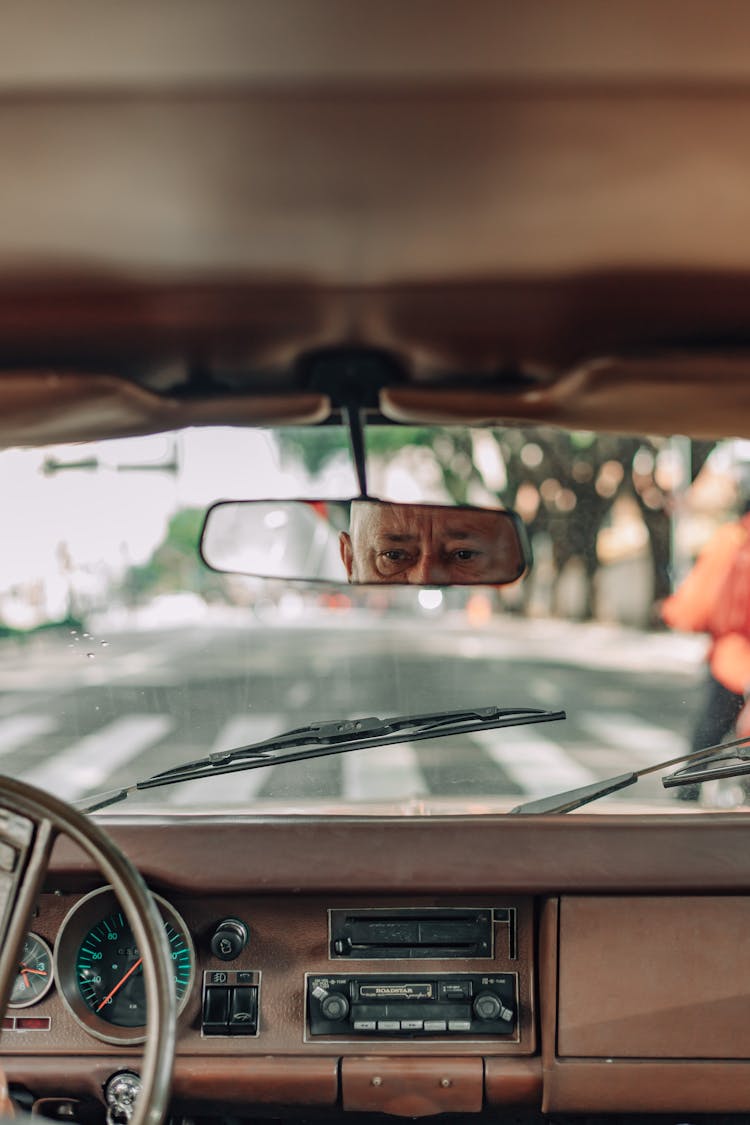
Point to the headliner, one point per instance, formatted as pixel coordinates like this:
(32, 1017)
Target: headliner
(493, 194)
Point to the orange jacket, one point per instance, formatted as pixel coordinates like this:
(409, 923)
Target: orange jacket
(689, 608)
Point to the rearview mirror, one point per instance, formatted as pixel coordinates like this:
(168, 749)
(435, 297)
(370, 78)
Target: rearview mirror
(365, 542)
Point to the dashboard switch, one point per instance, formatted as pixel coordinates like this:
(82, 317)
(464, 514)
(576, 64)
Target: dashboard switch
(231, 1002)
(243, 1011)
(229, 939)
(216, 1011)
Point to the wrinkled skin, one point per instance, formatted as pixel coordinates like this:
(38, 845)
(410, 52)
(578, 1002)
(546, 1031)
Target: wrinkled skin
(420, 545)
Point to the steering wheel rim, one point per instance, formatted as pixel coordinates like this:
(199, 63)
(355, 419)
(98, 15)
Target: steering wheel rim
(50, 817)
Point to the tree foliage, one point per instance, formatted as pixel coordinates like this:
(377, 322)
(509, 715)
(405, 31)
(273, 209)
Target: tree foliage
(176, 564)
(564, 483)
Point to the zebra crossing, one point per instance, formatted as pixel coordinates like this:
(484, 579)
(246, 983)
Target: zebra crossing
(86, 765)
(521, 763)
(17, 730)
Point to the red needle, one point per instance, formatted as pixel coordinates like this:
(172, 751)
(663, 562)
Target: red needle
(119, 984)
(25, 978)
(36, 972)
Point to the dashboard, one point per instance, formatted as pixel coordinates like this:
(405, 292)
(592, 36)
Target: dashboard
(571, 964)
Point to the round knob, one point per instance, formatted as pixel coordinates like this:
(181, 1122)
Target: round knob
(487, 1006)
(229, 939)
(334, 1006)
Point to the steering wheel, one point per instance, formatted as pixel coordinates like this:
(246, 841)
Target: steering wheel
(30, 821)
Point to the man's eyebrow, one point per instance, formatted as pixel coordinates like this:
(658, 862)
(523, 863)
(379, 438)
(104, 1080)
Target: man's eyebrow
(397, 537)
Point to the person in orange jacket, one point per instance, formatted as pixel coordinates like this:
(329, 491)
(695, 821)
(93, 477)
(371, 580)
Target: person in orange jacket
(699, 605)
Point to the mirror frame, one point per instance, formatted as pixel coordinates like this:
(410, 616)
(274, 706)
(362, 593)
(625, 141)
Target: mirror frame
(513, 516)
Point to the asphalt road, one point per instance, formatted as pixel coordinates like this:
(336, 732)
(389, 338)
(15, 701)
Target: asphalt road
(83, 713)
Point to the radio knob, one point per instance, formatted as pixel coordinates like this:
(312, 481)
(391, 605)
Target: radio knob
(487, 1006)
(334, 1006)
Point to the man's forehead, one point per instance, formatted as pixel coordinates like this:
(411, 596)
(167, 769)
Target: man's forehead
(411, 520)
(381, 515)
(409, 536)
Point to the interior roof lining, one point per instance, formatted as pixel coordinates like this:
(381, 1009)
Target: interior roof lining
(283, 37)
(626, 396)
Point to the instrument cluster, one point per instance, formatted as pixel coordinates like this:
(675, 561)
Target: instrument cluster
(98, 968)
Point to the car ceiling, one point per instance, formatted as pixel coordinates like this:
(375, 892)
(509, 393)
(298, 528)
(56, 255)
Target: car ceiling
(525, 211)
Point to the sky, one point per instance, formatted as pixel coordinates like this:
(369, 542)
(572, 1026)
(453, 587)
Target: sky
(115, 515)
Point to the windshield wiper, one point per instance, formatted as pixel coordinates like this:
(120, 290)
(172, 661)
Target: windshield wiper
(576, 798)
(689, 775)
(338, 737)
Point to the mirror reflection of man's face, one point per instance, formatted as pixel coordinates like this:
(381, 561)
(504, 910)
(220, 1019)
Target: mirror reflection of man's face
(419, 545)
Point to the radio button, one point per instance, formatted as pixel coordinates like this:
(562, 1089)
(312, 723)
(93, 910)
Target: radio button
(459, 1025)
(364, 1025)
(435, 1025)
(389, 1025)
(412, 1025)
(454, 990)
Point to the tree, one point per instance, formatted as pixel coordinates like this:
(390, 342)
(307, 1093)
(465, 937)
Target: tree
(176, 564)
(564, 483)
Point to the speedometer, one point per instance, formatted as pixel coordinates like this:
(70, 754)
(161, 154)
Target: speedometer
(109, 970)
(100, 969)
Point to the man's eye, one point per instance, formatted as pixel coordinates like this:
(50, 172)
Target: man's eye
(464, 554)
(395, 555)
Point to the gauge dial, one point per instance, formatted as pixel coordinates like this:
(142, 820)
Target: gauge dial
(35, 975)
(100, 969)
(109, 970)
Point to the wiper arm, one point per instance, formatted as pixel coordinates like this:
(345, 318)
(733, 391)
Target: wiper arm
(338, 737)
(576, 798)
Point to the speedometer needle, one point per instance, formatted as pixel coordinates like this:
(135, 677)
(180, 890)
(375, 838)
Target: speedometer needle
(119, 984)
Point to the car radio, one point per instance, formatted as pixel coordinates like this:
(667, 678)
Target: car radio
(413, 1004)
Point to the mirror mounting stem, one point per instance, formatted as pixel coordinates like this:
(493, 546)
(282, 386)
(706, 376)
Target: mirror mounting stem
(354, 420)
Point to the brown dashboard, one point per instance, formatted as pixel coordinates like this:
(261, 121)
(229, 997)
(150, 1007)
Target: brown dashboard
(611, 977)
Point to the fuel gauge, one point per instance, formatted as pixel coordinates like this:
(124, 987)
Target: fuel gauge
(34, 978)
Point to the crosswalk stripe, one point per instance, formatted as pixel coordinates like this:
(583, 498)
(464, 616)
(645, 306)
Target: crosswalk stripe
(461, 766)
(383, 773)
(229, 788)
(17, 730)
(87, 764)
(537, 764)
(641, 740)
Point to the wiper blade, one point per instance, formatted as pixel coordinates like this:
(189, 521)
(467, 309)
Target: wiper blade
(337, 737)
(576, 798)
(738, 759)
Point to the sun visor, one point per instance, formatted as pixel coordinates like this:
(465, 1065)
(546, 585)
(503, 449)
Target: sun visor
(43, 408)
(703, 396)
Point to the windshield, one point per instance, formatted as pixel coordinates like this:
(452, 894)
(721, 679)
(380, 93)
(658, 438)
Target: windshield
(123, 654)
